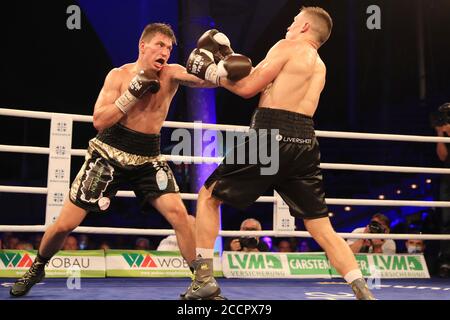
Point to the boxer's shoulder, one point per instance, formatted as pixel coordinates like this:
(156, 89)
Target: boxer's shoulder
(127, 68)
(171, 71)
(285, 44)
(282, 47)
(121, 72)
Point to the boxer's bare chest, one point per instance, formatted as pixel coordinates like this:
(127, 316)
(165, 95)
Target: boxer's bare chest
(149, 113)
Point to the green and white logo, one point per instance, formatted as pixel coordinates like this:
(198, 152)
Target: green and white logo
(136, 260)
(15, 259)
(88, 263)
(254, 261)
(308, 264)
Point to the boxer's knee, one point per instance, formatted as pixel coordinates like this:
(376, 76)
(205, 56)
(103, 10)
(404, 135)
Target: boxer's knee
(206, 197)
(63, 227)
(70, 217)
(326, 236)
(320, 230)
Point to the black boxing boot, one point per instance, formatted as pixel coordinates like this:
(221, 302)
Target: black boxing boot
(203, 286)
(34, 275)
(183, 294)
(361, 290)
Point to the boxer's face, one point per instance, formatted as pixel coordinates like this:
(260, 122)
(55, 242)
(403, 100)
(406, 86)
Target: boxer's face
(156, 52)
(297, 27)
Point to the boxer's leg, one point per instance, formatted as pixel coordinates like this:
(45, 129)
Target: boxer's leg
(340, 255)
(204, 285)
(71, 216)
(172, 208)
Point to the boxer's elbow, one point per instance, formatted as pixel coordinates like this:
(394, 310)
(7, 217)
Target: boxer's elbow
(99, 123)
(243, 88)
(247, 92)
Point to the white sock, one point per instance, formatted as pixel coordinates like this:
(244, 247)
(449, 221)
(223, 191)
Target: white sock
(353, 275)
(204, 253)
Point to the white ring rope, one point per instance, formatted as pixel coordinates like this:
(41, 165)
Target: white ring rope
(202, 160)
(42, 115)
(222, 127)
(226, 233)
(329, 201)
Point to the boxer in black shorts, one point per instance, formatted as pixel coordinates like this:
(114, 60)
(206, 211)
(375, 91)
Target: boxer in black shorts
(290, 80)
(119, 156)
(129, 113)
(298, 179)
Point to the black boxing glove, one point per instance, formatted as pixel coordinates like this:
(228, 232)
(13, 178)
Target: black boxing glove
(234, 67)
(217, 43)
(143, 82)
(201, 64)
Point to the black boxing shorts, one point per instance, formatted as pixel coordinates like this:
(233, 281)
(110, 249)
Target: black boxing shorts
(119, 157)
(298, 179)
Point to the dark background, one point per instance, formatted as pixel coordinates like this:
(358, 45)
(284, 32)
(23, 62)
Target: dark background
(373, 85)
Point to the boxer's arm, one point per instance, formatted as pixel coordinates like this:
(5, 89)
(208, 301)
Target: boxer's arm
(183, 78)
(442, 151)
(263, 74)
(441, 148)
(105, 111)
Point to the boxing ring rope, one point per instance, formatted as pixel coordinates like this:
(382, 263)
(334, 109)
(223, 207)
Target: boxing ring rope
(201, 160)
(224, 233)
(222, 127)
(267, 199)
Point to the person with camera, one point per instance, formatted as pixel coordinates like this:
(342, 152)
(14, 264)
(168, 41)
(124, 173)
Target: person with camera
(378, 224)
(249, 244)
(440, 120)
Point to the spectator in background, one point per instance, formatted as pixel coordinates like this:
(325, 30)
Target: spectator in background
(304, 246)
(24, 245)
(378, 224)
(104, 245)
(284, 245)
(142, 244)
(83, 242)
(415, 246)
(71, 243)
(248, 243)
(11, 241)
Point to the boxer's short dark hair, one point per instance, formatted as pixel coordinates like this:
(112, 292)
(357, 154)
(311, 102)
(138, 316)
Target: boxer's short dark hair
(151, 29)
(325, 23)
